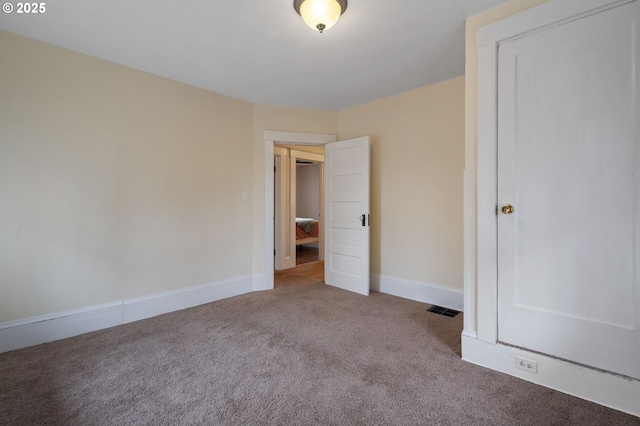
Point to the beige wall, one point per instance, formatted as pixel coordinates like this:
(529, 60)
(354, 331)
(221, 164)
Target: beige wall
(416, 181)
(114, 183)
(120, 184)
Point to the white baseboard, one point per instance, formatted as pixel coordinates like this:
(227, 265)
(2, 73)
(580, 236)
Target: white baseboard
(60, 325)
(593, 385)
(260, 283)
(419, 291)
(162, 303)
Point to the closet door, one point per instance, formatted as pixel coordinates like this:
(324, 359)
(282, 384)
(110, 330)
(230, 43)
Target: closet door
(568, 214)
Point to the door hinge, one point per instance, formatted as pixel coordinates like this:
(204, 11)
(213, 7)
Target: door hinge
(274, 252)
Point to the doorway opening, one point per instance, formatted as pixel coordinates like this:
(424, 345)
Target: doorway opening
(298, 207)
(308, 211)
(346, 210)
(272, 138)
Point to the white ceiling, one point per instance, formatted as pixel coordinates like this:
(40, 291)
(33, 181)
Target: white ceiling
(261, 51)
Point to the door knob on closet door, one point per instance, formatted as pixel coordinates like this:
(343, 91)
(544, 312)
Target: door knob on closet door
(507, 209)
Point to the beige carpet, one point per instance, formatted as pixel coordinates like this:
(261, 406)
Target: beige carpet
(303, 354)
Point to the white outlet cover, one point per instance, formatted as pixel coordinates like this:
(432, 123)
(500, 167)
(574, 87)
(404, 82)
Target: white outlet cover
(527, 365)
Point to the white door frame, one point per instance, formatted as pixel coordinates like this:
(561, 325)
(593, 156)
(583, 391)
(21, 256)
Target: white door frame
(284, 242)
(318, 159)
(270, 138)
(286, 202)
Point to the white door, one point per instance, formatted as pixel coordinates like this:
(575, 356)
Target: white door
(568, 163)
(346, 183)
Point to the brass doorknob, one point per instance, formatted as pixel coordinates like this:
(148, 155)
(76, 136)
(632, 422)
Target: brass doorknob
(507, 209)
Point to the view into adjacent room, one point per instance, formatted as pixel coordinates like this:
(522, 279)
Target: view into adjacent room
(298, 206)
(308, 175)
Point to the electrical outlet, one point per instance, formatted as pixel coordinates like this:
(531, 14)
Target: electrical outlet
(526, 365)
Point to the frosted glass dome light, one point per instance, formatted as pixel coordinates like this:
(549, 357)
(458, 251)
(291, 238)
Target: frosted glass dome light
(320, 14)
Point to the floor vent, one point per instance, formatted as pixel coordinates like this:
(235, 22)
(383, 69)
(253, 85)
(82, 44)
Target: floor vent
(443, 311)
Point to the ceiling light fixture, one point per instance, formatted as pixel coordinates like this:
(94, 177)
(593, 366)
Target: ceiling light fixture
(320, 14)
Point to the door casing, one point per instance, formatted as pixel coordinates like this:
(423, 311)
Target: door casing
(286, 202)
(272, 137)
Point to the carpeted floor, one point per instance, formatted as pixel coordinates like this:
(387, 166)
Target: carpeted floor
(302, 354)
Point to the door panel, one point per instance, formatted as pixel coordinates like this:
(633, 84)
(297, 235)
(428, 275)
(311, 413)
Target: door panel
(568, 162)
(347, 199)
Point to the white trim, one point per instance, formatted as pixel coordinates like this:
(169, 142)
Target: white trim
(419, 291)
(269, 215)
(468, 333)
(470, 271)
(486, 181)
(284, 211)
(298, 138)
(47, 328)
(290, 217)
(170, 301)
(60, 325)
(259, 283)
(58, 315)
(537, 19)
(271, 137)
(593, 385)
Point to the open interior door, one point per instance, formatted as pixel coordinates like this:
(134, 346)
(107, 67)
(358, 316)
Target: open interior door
(346, 215)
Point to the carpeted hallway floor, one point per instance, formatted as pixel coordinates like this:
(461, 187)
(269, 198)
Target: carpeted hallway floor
(302, 354)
